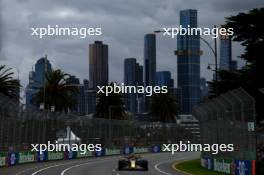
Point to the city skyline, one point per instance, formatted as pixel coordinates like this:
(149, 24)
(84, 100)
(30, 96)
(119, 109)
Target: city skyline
(125, 38)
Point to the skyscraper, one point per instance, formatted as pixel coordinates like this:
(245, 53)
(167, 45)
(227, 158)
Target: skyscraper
(133, 76)
(188, 62)
(163, 78)
(1, 31)
(98, 71)
(149, 59)
(37, 78)
(79, 107)
(149, 64)
(233, 65)
(98, 64)
(225, 52)
(86, 89)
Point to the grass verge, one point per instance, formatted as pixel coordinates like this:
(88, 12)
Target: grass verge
(194, 167)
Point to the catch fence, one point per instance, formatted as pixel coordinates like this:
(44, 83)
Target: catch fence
(20, 127)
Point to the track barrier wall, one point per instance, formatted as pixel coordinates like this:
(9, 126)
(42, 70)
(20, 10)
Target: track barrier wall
(16, 158)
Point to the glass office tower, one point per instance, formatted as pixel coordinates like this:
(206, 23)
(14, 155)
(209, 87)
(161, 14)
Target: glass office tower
(163, 78)
(37, 78)
(149, 64)
(133, 76)
(225, 52)
(188, 62)
(98, 71)
(98, 64)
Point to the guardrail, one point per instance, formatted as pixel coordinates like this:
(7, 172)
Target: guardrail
(17, 158)
(230, 166)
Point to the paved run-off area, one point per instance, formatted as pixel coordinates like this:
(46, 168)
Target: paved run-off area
(160, 163)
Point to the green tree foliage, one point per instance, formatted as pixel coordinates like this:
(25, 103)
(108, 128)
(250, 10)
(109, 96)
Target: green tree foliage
(249, 31)
(8, 85)
(164, 107)
(57, 92)
(111, 104)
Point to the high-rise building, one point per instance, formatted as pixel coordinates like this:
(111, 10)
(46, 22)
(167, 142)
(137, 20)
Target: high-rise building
(133, 76)
(90, 97)
(98, 64)
(37, 78)
(225, 52)
(98, 71)
(177, 94)
(163, 78)
(150, 59)
(86, 88)
(73, 81)
(41, 68)
(1, 32)
(16, 98)
(233, 65)
(188, 62)
(79, 107)
(149, 64)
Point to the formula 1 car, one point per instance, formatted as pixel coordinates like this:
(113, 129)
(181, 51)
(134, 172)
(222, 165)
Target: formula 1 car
(133, 162)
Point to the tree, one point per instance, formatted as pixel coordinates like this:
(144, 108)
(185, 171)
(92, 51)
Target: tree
(57, 92)
(113, 104)
(249, 30)
(164, 107)
(8, 85)
(229, 80)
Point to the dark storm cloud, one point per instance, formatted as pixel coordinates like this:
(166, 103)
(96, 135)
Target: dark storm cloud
(1, 25)
(124, 23)
(236, 5)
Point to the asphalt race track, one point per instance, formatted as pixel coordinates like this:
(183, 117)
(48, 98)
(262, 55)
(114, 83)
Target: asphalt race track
(158, 164)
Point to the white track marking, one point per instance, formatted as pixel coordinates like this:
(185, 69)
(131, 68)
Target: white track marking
(159, 170)
(163, 172)
(53, 166)
(36, 172)
(87, 163)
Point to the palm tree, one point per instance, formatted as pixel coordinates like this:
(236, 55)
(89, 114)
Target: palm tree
(8, 85)
(164, 107)
(113, 104)
(57, 92)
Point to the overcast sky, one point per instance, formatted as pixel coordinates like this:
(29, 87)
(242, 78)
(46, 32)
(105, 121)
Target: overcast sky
(124, 24)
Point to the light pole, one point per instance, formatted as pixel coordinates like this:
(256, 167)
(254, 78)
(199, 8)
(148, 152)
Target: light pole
(109, 122)
(214, 51)
(44, 80)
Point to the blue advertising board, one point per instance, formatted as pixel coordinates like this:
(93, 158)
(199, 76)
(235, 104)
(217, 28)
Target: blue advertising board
(12, 158)
(42, 156)
(156, 148)
(71, 154)
(100, 153)
(128, 150)
(207, 163)
(243, 167)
